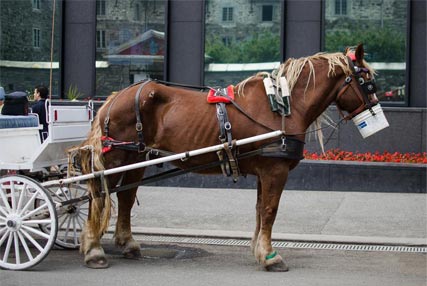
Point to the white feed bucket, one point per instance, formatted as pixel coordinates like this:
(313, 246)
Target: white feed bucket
(369, 124)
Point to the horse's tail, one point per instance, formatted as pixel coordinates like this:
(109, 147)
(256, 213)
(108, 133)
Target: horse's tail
(91, 160)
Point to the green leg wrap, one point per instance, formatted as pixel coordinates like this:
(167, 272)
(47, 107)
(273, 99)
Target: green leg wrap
(271, 255)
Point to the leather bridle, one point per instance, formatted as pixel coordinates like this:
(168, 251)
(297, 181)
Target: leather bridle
(364, 88)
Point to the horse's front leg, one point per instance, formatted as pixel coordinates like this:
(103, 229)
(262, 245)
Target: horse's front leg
(126, 200)
(272, 183)
(90, 240)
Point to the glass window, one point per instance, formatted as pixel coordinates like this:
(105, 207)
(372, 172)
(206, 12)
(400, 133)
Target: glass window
(381, 26)
(36, 38)
(240, 41)
(100, 39)
(25, 45)
(36, 4)
(130, 43)
(227, 14)
(340, 7)
(100, 7)
(267, 13)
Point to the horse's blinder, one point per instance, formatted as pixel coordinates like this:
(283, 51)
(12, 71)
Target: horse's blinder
(365, 87)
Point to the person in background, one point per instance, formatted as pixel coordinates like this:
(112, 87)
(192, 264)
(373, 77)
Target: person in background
(40, 95)
(2, 93)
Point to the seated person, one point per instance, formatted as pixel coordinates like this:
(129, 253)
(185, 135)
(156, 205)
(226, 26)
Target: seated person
(40, 95)
(2, 93)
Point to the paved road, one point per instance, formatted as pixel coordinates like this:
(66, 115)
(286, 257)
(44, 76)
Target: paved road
(383, 218)
(225, 265)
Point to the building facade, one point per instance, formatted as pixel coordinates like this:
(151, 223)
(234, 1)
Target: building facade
(102, 46)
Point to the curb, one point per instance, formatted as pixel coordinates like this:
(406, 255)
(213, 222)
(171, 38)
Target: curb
(375, 240)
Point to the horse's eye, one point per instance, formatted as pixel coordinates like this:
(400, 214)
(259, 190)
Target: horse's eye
(361, 80)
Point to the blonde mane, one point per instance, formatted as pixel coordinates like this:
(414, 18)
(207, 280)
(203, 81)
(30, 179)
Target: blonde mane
(292, 69)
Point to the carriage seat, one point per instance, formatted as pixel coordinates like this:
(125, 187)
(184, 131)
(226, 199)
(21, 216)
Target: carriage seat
(19, 121)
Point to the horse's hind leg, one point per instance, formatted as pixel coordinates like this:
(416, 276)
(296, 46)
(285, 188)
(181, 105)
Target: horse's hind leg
(126, 200)
(272, 183)
(254, 240)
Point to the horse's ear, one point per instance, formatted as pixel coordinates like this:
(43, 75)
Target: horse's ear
(360, 54)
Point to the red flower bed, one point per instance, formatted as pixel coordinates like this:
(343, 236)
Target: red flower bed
(396, 157)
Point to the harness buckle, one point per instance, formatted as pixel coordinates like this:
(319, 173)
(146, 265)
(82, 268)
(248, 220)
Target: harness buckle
(284, 146)
(227, 125)
(138, 126)
(348, 79)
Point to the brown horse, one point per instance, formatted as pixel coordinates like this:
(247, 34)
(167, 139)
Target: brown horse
(175, 119)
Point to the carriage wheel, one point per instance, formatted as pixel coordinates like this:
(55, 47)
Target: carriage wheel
(71, 217)
(22, 244)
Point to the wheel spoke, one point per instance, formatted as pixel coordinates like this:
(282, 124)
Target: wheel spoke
(67, 229)
(35, 231)
(76, 241)
(5, 201)
(21, 197)
(62, 222)
(34, 211)
(3, 238)
(79, 220)
(25, 245)
(37, 221)
(12, 195)
(29, 203)
(3, 211)
(32, 240)
(17, 254)
(7, 250)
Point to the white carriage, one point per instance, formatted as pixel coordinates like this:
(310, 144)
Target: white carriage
(29, 212)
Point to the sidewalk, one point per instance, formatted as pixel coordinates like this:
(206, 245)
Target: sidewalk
(349, 217)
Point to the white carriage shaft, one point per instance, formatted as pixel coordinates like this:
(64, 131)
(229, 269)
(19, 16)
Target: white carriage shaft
(170, 158)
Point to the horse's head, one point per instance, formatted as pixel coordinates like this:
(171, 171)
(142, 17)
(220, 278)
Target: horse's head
(357, 93)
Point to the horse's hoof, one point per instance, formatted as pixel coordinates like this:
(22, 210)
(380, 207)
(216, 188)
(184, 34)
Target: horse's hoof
(96, 259)
(132, 253)
(277, 267)
(132, 250)
(100, 263)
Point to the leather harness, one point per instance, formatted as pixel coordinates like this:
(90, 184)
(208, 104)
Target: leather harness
(286, 147)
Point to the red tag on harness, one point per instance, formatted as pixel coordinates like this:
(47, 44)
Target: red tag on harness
(106, 148)
(352, 56)
(215, 96)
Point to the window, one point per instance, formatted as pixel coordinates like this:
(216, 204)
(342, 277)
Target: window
(137, 13)
(100, 39)
(100, 7)
(36, 4)
(235, 52)
(382, 27)
(36, 38)
(267, 13)
(227, 14)
(226, 41)
(340, 7)
(130, 43)
(25, 45)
